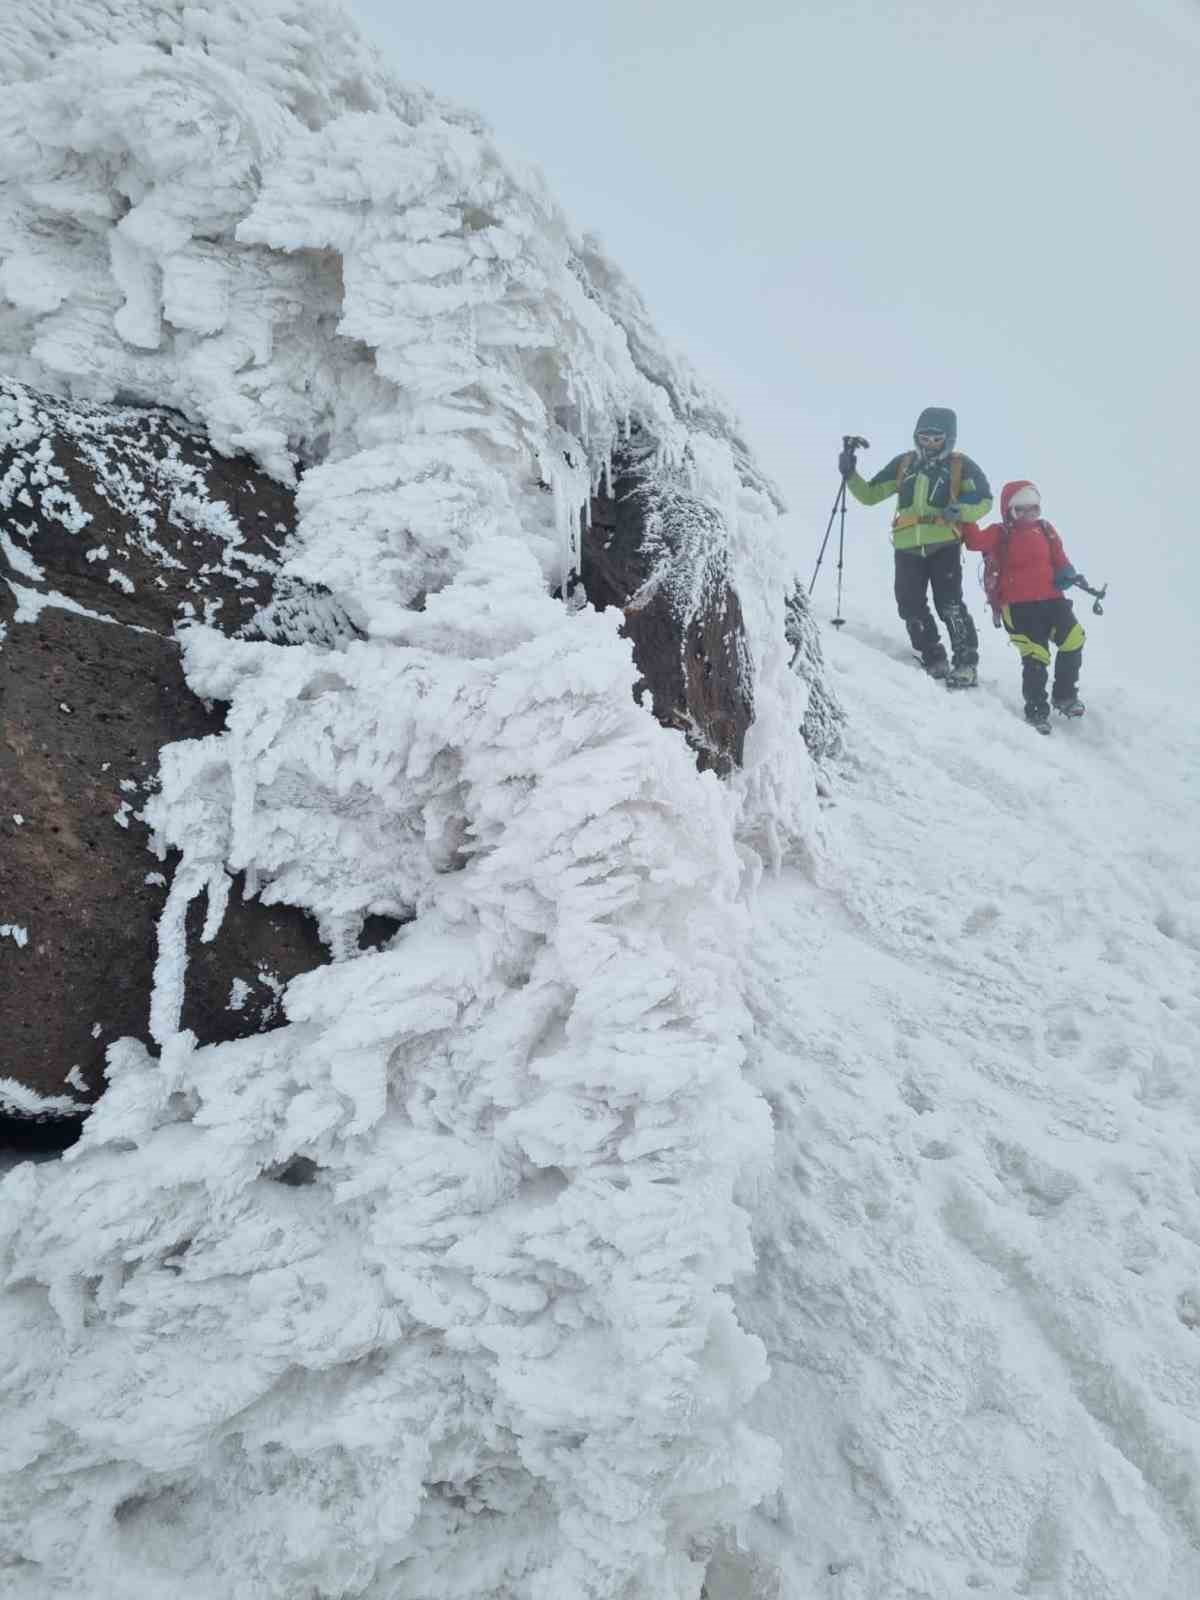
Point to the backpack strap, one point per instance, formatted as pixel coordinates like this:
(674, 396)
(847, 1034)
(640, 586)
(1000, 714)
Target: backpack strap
(1002, 559)
(956, 472)
(908, 519)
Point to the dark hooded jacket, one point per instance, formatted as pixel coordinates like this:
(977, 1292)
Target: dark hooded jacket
(926, 512)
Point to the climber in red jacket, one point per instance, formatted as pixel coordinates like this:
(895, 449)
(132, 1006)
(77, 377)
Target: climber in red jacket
(1026, 572)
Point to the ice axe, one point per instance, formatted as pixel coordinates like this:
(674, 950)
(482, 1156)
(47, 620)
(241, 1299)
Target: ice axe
(850, 441)
(1097, 595)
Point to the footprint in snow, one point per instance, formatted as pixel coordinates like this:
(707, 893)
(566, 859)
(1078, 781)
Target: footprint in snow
(937, 1150)
(982, 918)
(1179, 927)
(1036, 1185)
(1063, 1035)
(914, 1096)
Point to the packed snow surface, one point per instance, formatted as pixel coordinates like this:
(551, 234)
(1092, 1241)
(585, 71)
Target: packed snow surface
(488, 1275)
(978, 1263)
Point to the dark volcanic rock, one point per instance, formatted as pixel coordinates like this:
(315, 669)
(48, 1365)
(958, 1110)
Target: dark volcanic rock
(116, 524)
(235, 984)
(661, 554)
(133, 515)
(84, 708)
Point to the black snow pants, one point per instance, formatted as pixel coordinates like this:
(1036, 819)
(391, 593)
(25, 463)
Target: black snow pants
(1033, 625)
(939, 565)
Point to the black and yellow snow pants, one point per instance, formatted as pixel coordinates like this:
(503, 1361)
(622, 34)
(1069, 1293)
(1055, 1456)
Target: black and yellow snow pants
(1033, 625)
(937, 567)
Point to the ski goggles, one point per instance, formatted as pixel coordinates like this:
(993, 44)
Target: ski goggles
(1025, 508)
(931, 441)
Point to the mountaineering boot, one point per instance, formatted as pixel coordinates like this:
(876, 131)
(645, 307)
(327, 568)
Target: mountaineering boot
(1038, 717)
(963, 676)
(964, 641)
(1074, 707)
(937, 667)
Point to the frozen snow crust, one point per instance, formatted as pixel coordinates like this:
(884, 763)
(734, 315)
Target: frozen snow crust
(424, 1294)
(978, 1268)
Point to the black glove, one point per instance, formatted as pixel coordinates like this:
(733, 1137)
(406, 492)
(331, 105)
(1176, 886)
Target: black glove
(847, 463)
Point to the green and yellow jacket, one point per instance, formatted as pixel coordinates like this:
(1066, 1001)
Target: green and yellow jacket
(923, 492)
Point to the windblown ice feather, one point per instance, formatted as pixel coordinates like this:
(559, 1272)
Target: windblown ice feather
(423, 1294)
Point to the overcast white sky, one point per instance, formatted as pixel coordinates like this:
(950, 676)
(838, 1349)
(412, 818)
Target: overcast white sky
(844, 210)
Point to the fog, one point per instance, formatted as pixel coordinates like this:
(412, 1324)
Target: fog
(845, 211)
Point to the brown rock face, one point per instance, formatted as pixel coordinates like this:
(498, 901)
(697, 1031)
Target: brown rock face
(661, 555)
(115, 524)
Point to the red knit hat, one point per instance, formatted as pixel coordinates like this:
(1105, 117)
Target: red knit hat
(1020, 488)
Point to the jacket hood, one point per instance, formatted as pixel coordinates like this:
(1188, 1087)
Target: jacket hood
(1009, 490)
(938, 419)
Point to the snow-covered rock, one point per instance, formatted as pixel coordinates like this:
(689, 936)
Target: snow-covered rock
(426, 1292)
(660, 552)
(475, 1278)
(824, 717)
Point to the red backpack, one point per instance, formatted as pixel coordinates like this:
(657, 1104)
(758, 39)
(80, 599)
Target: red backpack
(991, 574)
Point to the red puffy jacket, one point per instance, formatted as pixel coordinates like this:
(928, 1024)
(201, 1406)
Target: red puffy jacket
(1022, 558)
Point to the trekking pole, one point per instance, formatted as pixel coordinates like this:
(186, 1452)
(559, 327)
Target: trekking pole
(850, 441)
(1098, 594)
(839, 502)
(838, 619)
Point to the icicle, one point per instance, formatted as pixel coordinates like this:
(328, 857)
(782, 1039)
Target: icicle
(570, 480)
(218, 886)
(170, 968)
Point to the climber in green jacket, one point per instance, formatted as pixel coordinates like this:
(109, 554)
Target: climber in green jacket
(936, 489)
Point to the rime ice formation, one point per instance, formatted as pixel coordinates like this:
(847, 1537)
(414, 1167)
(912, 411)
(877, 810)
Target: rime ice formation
(636, 1223)
(427, 1292)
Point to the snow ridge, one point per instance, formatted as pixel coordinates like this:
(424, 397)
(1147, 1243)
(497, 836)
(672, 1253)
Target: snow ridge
(425, 1293)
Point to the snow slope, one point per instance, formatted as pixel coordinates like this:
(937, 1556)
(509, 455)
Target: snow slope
(446, 1289)
(426, 1293)
(978, 1267)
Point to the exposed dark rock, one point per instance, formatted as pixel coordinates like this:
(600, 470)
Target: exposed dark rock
(377, 930)
(297, 1173)
(85, 707)
(25, 1138)
(116, 523)
(661, 554)
(235, 983)
(132, 514)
